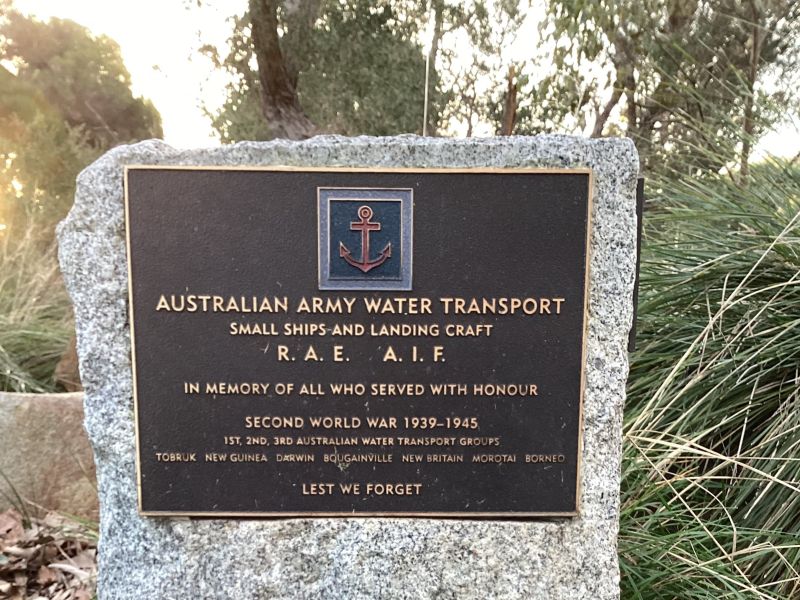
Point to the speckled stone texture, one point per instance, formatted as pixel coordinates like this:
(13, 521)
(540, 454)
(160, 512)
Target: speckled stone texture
(353, 558)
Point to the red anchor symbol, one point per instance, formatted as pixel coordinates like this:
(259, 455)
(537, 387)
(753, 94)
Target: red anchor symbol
(365, 227)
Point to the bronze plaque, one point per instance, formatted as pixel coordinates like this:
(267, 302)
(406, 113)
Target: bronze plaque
(358, 342)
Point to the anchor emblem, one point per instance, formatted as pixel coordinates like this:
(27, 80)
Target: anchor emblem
(365, 226)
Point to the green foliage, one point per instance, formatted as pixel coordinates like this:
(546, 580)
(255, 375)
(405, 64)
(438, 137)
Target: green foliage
(681, 75)
(35, 314)
(82, 77)
(362, 72)
(472, 63)
(711, 479)
(64, 99)
(41, 156)
(358, 67)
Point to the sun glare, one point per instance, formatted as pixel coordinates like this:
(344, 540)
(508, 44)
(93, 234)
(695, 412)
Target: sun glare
(16, 184)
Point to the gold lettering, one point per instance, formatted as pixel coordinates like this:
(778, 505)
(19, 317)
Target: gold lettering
(338, 356)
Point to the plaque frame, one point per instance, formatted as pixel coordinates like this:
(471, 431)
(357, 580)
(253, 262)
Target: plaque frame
(371, 514)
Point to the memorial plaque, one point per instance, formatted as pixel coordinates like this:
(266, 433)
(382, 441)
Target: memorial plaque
(339, 342)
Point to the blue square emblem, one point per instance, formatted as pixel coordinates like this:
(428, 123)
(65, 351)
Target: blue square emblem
(365, 237)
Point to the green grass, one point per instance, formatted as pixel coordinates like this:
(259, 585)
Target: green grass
(35, 312)
(711, 468)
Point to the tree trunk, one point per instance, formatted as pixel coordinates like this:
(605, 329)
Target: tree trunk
(510, 105)
(600, 123)
(623, 62)
(749, 121)
(279, 103)
(630, 100)
(438, 21)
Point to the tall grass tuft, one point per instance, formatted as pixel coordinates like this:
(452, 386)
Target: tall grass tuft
(35, 312)
(711, 469)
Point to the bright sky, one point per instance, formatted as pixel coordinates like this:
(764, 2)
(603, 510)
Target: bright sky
(159, 41)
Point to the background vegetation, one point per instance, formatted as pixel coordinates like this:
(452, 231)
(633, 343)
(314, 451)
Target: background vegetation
(711, 474)
(65, 98)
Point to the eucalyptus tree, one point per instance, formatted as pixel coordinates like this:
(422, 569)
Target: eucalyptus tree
(65, 97)
(305, 67)
(379, 67)
(691, 81)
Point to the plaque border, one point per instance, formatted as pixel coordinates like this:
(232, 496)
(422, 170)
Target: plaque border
(326, 282)
(340, 514)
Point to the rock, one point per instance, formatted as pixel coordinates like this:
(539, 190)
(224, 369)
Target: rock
(144, 557)
(45, 454)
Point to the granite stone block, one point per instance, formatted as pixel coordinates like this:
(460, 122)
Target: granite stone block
(143, 557)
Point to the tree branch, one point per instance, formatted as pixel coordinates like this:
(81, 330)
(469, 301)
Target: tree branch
(756, 42)
(600, 123)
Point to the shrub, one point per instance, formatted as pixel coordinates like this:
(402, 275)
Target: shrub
(35, 312)
(711, 474)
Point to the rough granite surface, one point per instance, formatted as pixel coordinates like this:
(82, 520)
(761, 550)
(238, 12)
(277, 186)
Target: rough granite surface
(168, 558)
